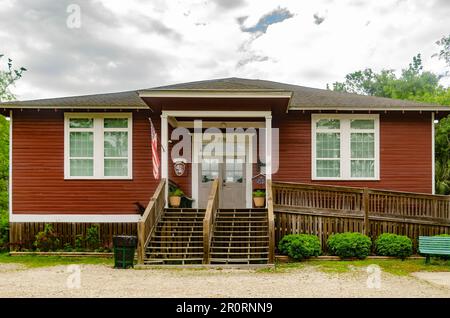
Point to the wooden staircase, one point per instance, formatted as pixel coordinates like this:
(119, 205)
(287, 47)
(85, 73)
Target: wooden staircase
(240, 236)
(205, 236)
(177, 239)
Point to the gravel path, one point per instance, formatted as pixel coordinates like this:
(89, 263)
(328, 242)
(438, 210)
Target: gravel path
(103, 281)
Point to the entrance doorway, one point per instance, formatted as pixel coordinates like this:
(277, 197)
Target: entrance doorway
(230, 161)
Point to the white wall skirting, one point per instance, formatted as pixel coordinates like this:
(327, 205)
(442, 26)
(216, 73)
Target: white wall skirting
(75, 218)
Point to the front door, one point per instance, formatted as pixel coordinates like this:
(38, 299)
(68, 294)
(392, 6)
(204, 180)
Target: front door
(231, 168)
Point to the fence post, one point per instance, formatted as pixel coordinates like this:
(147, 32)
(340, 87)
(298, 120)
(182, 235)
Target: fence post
(366, 210)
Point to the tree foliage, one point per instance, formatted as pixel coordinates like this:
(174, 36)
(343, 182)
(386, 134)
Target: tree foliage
(412, 84)
(8, 77)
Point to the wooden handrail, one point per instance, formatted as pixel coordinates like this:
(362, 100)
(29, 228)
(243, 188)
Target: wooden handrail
(148, 221)
(361, 201)
(208, 220)
(283, 184)
(271, 222)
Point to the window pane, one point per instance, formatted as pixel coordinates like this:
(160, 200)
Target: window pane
(116, 167)
(363, 168)
(328, 124)
(116, 144)
(115, 122)
(81, 167)
(362, 124)
(210, 169)
(328, 145)
(81, 123)
(362, 145)
(234, 170)
(328, 168)
(81, 144)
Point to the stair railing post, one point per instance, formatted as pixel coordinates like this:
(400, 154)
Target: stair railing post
(366, 211)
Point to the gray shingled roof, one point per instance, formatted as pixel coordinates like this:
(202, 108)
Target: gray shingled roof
(128, 99)
(303, 98)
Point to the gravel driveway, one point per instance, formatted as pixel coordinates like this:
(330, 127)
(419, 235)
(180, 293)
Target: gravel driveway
(103, 281)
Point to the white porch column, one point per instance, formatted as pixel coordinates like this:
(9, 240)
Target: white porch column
(165, 154)
(268, 150)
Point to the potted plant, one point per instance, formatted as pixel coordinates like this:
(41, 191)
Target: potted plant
(175, 198)
(259, 198)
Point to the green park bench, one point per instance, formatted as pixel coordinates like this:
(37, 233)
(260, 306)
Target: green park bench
(434, 246)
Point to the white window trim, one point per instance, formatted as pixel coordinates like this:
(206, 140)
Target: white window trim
(345, 145)
(98, 145)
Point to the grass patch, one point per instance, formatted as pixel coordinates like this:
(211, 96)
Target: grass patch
(32, 261)
(395, 267)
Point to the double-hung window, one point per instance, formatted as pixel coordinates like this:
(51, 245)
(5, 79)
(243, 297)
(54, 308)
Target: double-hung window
(98, 146)
(345, 147)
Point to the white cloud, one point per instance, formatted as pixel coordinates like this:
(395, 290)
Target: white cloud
(136, 44)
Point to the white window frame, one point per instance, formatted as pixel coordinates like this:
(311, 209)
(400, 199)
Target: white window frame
(98, 144)
(345, 143)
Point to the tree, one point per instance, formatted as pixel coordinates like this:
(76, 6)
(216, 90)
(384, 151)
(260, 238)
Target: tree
(8, 79)
(413, 82)
(444, 53)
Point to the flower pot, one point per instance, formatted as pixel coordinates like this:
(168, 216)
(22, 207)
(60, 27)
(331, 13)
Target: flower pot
(174, 201)
(259, 201)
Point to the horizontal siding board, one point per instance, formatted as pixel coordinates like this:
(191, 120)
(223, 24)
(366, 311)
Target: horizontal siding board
(38, 162)
(38, 170)
(405, 152)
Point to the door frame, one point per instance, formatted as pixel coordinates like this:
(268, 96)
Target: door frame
(248, 171)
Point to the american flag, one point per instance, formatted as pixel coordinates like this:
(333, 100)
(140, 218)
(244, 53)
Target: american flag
(155, 157)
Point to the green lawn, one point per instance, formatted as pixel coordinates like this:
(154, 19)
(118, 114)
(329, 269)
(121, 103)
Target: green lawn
(396, 267)
(45, 261)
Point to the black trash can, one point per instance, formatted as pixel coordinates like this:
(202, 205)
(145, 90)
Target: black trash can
(124, 248)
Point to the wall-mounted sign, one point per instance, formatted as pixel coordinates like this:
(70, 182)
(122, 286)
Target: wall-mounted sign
(179, 166)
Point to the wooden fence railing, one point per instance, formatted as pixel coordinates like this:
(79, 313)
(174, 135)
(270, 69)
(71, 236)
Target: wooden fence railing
(149, 219)
(208, 221)
(324, 210)
(271, 222)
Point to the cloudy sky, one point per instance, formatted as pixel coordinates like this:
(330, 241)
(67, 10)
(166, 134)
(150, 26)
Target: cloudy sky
(120, 45)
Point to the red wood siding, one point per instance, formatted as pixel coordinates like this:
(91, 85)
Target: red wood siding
(405, 152)
(38, 162)
(38, 169)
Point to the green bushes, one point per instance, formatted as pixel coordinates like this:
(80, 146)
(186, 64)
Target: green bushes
(349, 245)
(47, 240)
(388, 244)
(4, 232)
(300, 246)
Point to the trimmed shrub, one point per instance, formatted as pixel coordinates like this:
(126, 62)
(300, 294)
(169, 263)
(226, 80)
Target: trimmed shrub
(388, 244)
(285, 242)
(304, 246)
(349, 245)
(299, 246)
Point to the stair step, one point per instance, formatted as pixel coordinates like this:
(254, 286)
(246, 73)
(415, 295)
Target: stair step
(179, 226)
(178, 236)
(183, 232)
(231, 231)
(171, 260)
(167, 222)
(174, 247)
(172, 253)
(237, 253)
(239, 222)
(240, 236)
(214, 247)
(238, 260)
